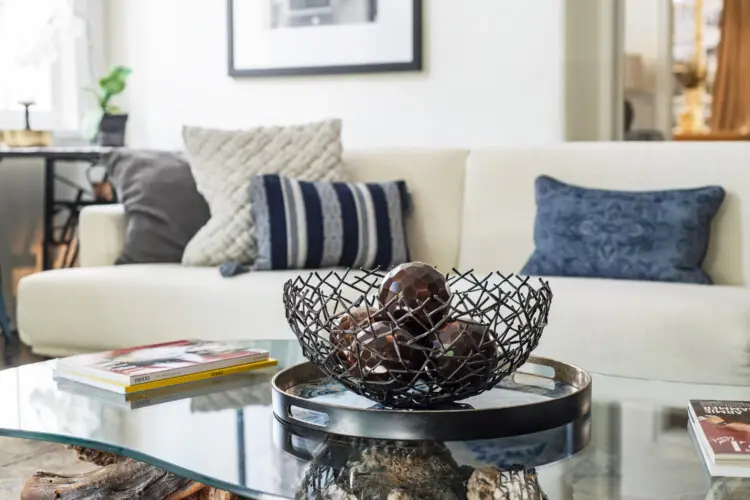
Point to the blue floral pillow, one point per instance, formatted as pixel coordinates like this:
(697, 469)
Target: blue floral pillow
(596, 233)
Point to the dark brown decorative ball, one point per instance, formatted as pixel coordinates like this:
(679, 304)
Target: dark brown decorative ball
(379, 353)
(416, 289)
(346, 325)
(415, 328)
(463, 352)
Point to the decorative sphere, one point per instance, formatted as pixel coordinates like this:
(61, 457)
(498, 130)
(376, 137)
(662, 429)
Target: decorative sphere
(379, 353)
(345, 327)
(417, 288)
(463, 352)
(350, 322)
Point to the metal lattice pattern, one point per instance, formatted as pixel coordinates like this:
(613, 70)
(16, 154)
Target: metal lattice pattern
(386, 352)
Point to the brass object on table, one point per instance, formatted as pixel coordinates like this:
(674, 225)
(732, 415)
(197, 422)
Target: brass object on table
(25, 138)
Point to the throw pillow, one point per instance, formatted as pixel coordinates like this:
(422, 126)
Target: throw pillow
(309, 225)
(163, 206)
(223, 162)
(653, 235)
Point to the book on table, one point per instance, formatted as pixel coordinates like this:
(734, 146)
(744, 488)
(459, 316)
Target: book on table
(189, 390)
(722, 434)
(161, 365)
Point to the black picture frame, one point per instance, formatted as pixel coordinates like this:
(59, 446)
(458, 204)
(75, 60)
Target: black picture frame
(416, 64)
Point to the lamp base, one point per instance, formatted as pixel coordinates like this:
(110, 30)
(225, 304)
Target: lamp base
(25, 138)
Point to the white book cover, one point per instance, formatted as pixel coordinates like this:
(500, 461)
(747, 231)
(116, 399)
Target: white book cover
(164, 395)
(138, 365)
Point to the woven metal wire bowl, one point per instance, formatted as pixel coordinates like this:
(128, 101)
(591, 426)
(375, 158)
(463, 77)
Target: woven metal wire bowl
(396, 355)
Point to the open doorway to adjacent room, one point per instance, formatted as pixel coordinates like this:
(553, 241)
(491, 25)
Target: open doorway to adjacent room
(685, 65)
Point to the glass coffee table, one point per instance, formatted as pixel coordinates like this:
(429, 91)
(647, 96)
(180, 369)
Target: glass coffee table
(634, 445)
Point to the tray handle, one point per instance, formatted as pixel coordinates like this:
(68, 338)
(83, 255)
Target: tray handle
(537, 366)
(306, 416)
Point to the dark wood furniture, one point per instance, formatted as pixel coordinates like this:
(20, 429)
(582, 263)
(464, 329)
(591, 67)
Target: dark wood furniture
(717, 135)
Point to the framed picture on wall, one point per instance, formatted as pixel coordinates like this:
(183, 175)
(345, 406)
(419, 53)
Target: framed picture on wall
(323, 37)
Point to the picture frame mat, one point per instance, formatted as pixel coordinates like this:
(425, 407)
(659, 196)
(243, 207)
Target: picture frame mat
(394, 43)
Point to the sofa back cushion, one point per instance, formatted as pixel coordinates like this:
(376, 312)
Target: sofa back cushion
(436, 184)
(499, 209)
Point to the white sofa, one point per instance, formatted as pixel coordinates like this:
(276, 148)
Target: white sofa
(472, 209)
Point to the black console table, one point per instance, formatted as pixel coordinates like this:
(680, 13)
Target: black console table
(51, 156)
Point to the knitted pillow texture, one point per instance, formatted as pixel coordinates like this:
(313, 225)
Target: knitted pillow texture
(224, 161)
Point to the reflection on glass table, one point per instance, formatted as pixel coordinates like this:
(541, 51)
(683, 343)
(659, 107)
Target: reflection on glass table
(368, 468)
(634, 446)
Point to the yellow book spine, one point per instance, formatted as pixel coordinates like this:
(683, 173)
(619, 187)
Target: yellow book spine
(193, 377)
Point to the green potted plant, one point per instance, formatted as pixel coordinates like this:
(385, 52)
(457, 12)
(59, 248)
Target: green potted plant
(111, 119)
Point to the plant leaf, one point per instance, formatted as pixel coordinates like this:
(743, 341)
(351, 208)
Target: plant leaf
(115, 82)
(113, 87)
(122, 71)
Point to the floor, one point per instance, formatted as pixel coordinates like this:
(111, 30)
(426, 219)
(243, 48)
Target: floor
(20, 458)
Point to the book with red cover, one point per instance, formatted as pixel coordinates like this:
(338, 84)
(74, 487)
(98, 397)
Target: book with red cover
(723, 429)
(138, 365)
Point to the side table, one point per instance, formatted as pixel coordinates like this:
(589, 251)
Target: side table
(51, 156)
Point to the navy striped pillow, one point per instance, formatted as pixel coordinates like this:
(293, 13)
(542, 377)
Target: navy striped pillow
(309, 225)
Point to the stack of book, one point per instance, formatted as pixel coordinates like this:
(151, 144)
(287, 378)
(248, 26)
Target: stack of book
(166, 369)
(722, 434)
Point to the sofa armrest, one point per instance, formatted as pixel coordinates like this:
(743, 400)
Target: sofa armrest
(101, 234)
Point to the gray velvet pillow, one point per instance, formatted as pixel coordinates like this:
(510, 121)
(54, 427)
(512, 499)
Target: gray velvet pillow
(161, 201)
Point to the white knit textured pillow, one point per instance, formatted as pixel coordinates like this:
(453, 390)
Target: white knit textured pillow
(223, 161)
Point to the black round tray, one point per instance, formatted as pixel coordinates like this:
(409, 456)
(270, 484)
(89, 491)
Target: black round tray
(543, 394)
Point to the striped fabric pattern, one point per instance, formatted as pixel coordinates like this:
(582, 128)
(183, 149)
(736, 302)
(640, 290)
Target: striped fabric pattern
(309, 225)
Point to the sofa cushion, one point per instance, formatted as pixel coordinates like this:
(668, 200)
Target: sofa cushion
(163, 206)
(223, 162)
(113, 307)
(436, 187)
(436, 184)
(311, 225)
(599, 233)
(659, 331)
(643, 329)
(499, 206)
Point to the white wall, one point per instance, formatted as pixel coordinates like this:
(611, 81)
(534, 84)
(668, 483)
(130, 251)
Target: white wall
(494, 75)
(648, 33)
(593, 103)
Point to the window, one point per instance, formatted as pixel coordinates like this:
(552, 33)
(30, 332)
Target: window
(38, 61)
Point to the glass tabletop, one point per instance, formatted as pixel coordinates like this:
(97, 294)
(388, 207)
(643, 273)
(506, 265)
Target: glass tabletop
(634, 445)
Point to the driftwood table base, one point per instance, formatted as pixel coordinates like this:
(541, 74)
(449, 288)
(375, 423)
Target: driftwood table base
(118, 478)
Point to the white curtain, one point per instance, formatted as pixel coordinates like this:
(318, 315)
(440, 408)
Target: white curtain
(39, 28)
(34, 34)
